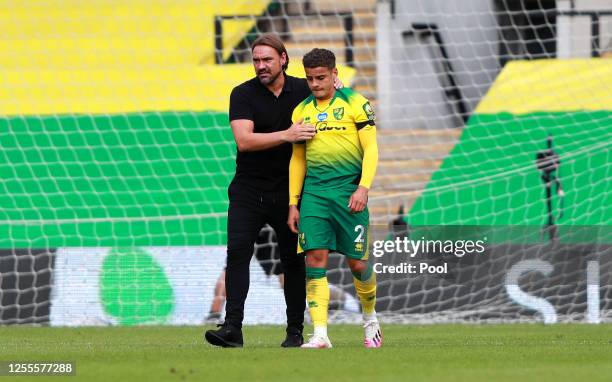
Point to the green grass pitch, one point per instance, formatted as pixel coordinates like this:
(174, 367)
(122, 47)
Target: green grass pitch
(411, 353)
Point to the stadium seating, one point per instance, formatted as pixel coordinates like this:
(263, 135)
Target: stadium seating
(529, 100)
(119, 34)
(116, 109)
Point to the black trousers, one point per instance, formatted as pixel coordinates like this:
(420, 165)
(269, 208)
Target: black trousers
(249, 211)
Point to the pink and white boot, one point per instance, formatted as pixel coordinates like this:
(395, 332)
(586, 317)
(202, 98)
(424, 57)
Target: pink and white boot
(373, 335)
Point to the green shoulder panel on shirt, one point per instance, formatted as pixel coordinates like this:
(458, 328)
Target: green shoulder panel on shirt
(308, 99)
(299, 109)
(351, 96)
(345, 94)
(360, 105)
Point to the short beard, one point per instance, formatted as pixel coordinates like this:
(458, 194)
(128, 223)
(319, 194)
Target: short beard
(269, 80)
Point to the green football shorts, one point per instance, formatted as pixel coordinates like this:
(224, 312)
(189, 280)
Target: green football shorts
(327, 223)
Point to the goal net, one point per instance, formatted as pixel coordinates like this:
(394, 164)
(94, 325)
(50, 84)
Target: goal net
(494, 120)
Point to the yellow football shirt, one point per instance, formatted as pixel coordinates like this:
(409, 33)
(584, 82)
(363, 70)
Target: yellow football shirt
(334, 156)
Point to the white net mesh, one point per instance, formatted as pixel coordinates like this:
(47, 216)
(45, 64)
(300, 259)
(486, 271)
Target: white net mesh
(117, 152)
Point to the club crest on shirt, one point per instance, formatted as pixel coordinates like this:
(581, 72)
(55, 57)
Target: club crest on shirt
(339, 113)
(307, 119)
(322, 116)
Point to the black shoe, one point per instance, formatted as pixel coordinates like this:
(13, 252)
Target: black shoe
(294, 339)
(226, 336)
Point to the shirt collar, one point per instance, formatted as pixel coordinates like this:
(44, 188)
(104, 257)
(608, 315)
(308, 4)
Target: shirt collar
(314, 100)
(288, 85)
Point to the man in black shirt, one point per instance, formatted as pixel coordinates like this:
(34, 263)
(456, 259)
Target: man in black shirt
(260, 117)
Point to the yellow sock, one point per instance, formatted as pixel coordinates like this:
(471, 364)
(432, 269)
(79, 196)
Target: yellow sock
(317, 295)
(365, 285)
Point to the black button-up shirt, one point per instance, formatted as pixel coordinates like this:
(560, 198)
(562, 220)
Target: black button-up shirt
(266, 170)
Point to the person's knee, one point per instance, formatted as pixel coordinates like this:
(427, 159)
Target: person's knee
(316, 259)
(239, 256)
(293, 263)
(315, 262)
(287, 251)
(357, 266)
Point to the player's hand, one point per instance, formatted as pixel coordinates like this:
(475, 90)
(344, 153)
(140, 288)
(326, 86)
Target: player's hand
(299, 131)
(337, 83)
(294, 218)
(359, 200)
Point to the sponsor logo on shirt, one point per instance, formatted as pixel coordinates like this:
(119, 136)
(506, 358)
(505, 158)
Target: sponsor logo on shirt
(323, 126)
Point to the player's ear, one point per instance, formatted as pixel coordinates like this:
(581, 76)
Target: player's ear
(283, 59)
(335, 74)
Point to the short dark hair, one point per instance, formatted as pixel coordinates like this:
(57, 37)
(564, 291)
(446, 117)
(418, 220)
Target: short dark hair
(273, 41)
(319, 58)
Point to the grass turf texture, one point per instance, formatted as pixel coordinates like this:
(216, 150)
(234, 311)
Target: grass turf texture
(418, 353)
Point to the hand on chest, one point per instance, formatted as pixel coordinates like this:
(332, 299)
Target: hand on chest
(332, 121)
